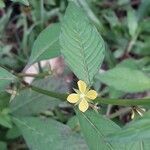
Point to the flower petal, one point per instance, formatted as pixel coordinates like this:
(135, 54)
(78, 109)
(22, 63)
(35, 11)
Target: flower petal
(92, 94)
(82, 86)
(83, 105)
(73, 98)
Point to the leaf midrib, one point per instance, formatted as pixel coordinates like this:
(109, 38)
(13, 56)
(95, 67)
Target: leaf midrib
(99, 133)
(83, 55)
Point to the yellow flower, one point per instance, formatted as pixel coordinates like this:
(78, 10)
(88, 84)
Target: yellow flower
(82, 96)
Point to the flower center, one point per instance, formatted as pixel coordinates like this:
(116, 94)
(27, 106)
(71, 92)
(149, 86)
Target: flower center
(82, 96)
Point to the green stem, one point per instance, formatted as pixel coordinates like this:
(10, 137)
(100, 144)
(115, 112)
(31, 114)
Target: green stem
(122, 102)
(49, 93)
(40, 75)
(120, 112)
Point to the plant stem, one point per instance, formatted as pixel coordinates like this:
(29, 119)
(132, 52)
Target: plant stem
(49, 93)
(122, 102)
(40, 75)
(120, 112)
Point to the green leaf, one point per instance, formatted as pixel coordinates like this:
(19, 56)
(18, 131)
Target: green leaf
(95, 129)
(73, 123)
(134, 131)
(143, 9)
(44, 134)
(135, 135)
(132, 21)
(5, 78)
(25, 2)
(3, 145)
(81, 44)
(13, 133)
(29, 102)
(129, 63)
(5, 119)
(46, 46)
(86, 7)
(125, 79)
(4, 100)
(111, 18)
(2, 4)
(50, 2)
(140, 145)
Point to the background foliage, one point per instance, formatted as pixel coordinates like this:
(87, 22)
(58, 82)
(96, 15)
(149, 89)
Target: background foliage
(105, 43)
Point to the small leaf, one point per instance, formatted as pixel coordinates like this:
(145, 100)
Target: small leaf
(2, 4)
(125, 79)
(4, 100)
(25, 2)
(143, 9)
(5, 78)
(13, 133)
(46, 46)
(81, 44)
(86, 7)
(5, 119)
(132, 21)
(45, 134)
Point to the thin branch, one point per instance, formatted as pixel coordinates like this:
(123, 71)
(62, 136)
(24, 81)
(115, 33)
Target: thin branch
(40, 75)
(120, 112)
(122, 102)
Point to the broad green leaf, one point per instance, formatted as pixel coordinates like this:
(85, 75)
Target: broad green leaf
(3, 145)
(132, 21)
(25, 2)
(46, 46)
(95, 129)
(2, 4)
(134, 131)
(5, 78)
(29, 102)
(45, 134)
(81, 44)
(125, 79)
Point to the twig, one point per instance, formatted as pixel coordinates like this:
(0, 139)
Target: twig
(40, 75)
(120, 112)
